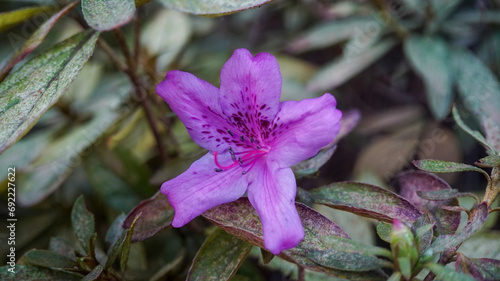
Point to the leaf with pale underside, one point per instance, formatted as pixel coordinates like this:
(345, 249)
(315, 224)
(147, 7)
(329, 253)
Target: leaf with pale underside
(429, 58)
(35, 273)
(219, 257)
(212, 7)
(104, 15)
(473, 133)
(366, 200)
(489, 161)
(34, 41)
(447, 274)
(240, 219)
(157, 214)
(31, 90)
(45, 258)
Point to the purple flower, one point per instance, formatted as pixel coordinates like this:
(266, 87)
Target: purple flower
(253, 139)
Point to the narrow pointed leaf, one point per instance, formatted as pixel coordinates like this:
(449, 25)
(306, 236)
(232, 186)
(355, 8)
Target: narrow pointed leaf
(480, 89)
(62, 247)
(473, 133)
(31, 90)
(105, 15)
(447, 274)
(481, 269)
(94, 274)
(429, 58)
(384, 231)
(219, 257)
(157, 214)
(36, 273)
(438, 166)
(341, 70)
(444, 242)
(351, 246)
(126, 244)
(212, 7)
(366, 200)
(45, 258)
(489, 161)
(83, 223)
(312, 165)
(327, 34)
(241, 220)
(34, 41)
(12, 18)
(438, 195)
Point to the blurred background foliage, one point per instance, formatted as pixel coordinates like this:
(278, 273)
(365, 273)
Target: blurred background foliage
(401, 64)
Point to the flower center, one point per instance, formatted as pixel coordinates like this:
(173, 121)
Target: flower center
(244, 159)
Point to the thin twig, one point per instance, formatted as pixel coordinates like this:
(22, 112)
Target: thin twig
(111, 54)
(302, 273)
(137, 39)
(122, 42)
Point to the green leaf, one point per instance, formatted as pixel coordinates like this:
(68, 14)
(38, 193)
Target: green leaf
(12, 18)
(437, 195)
(157, 214)
(396, 276)
(480, 269)
(344, 68)
(445, 242)
(126, 244)
(35, 273)
(489, 161)
(327, 34)
(34, 41)
(116, 249)
(219, 257)
(241, 220)
(83, 223)
(384, 231)
(45, 258)
(482, 245)
(447, 274)
(438, 166)
(312, 165)
(473, 133)
(366, 200)
(32, 89)
(212, 7)
(62, 247)
(106, 15)
(429, 58)
(94, 274)
(351, 246)
(480, 90)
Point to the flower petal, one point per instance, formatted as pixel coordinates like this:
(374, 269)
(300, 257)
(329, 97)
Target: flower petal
(201, 188)
(195, 102)
(250, 89)
(303, 128)
(272, 193)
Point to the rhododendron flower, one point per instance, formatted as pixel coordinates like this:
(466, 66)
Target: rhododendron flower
(253, 140)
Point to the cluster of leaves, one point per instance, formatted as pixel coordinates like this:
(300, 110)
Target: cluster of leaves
(98, 129)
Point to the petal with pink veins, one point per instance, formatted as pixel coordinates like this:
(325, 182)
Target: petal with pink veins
(303, 128)
(272, 194)
(201, 188)
(250, 88)
(195, 102)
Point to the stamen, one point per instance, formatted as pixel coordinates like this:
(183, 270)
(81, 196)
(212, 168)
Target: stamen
(218, 170)
(251, 139)
(232, 153)
(258, 146)
(231, 133)
(240, 160)
(241, 138)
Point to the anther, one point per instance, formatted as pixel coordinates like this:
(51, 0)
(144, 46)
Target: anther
(258, 146)
(232, 153)
(251, 139)
(240, 160)
(241, 138)
(231, 133)
(218, 170)
(244, 173)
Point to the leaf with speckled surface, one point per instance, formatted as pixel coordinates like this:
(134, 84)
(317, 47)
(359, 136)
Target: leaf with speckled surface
(447, 274)
(35, 87)
(445, 242)
(482, 269)
(366, 200)
(241, 220)
(35, 273)
(83, 223)
(212, 7)
(104, 15)
(157, 214)
(34, 41)
(219, 257)
(438, 166)
(421, 187)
